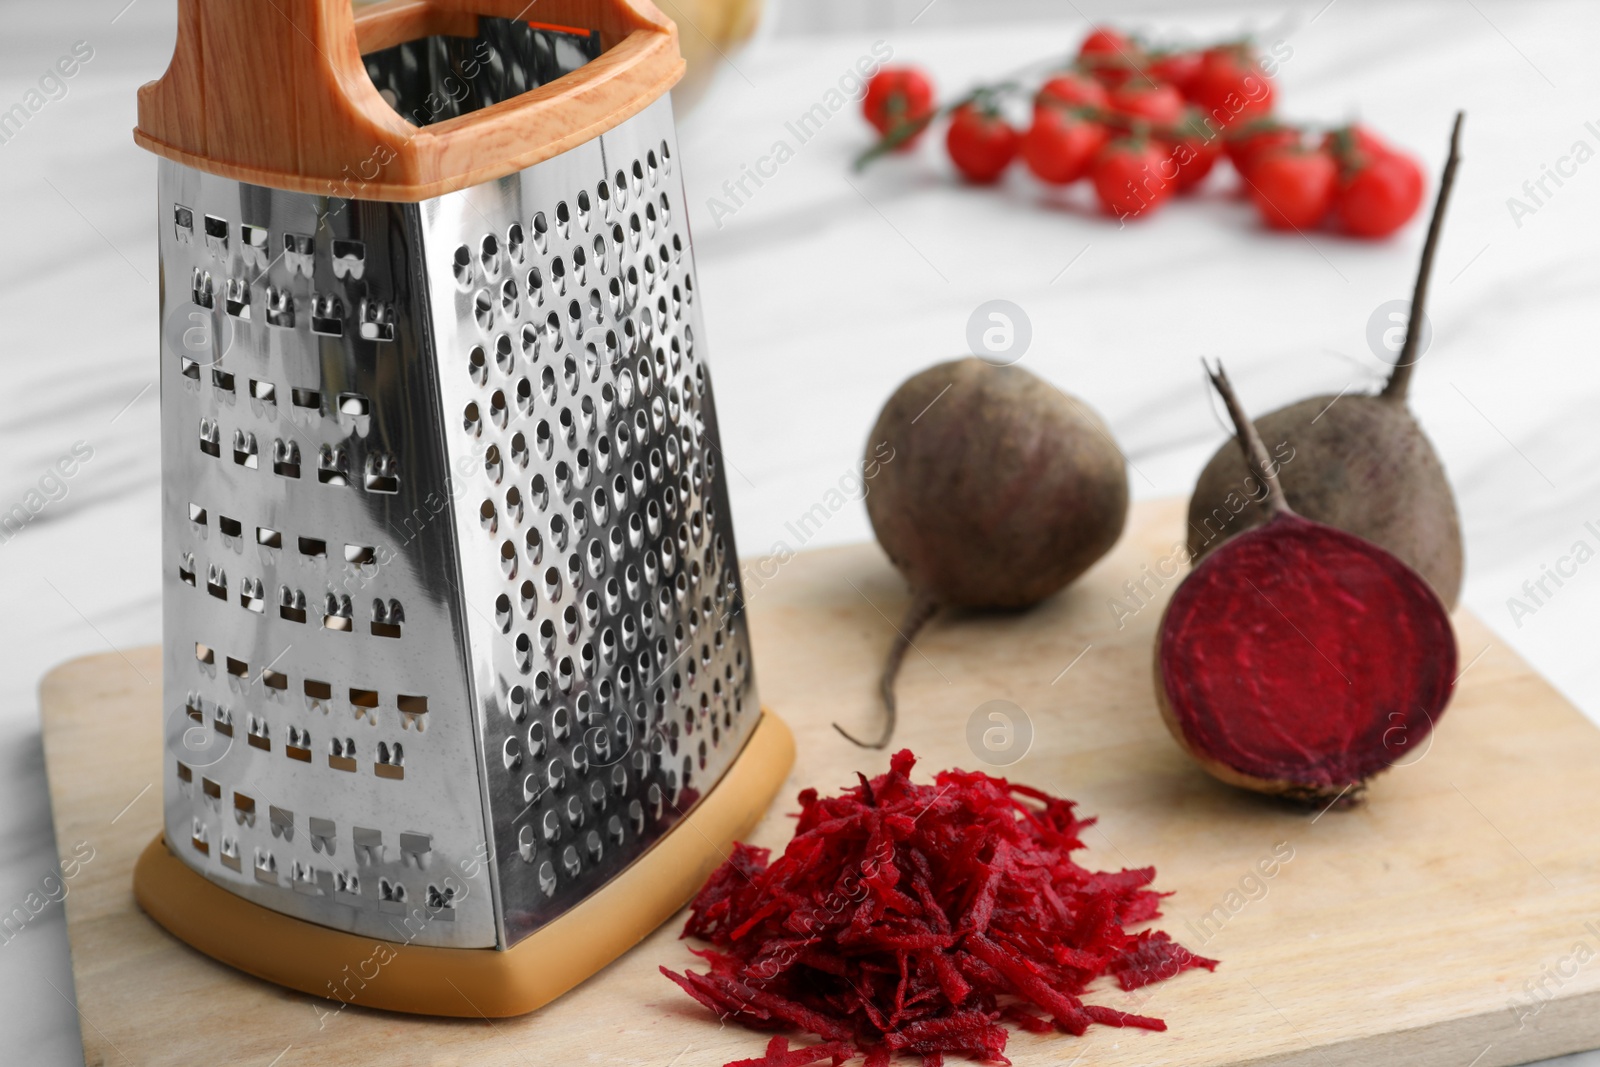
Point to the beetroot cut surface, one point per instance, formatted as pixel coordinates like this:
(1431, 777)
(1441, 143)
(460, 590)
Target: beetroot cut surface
(918, 919)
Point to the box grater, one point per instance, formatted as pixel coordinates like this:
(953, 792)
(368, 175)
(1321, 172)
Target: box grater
(454, 634)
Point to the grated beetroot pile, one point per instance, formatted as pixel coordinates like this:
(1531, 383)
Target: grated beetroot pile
(907, 918)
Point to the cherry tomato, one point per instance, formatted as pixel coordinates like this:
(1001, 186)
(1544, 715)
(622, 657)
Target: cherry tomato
(1230, 87)
(1293, 188)
(1156, 102)
(1071, 90)
(1379, 197)
(1247, 143)
(1176, 68)
(1059, 146)
(1128, 178)
(1194, 149)
(1354, 144)
(897, 97)
(981, 144)
(1105, 41)
(1111, 57)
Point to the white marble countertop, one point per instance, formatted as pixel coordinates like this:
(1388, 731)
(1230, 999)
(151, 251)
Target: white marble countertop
(823, 290)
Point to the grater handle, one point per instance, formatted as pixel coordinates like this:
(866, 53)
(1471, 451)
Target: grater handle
(275, 93)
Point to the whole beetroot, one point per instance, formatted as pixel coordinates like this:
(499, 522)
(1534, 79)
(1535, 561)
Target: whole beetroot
(1001, 489)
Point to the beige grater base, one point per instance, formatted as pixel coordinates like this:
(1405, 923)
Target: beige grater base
(472, 983)
(1399, 933)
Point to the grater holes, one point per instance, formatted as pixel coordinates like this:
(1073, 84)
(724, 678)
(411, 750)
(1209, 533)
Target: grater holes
(502, 613)
(524, 650)
(387, 618)
(541, 232)
(342, 754)
(535, 281)
(461, 264)
(564, 219)
(183, 224)
(391, 764)
(503, 358)
(472, 419)
(538, 491)
(508, 559)
(291, 604)
(336, 614)
(493, 465)
(382, 473)
(332, 466)
(210, 438)
(488, 518)
(327, 315)
(515, 242)
(519, 449)
(508, 298)
(652, 167)
(285, 458)
(528, 599)
(499, 413)
(483, 309)
(535, 547)
(245, 452)
(478, 365)
(489, 255)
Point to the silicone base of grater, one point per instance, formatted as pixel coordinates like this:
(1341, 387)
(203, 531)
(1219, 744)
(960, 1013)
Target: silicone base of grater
(472, 983)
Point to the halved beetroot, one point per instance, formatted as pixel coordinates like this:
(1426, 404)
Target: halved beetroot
(1298, 659)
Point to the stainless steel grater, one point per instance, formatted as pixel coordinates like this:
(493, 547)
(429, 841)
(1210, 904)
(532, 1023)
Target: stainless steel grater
(453, 620)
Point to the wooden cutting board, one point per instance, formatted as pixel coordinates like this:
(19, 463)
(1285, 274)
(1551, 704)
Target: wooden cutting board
(1453, 921)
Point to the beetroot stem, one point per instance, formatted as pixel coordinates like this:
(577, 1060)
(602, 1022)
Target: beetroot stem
(1255, 452)
(1400, 378)
(923, 607)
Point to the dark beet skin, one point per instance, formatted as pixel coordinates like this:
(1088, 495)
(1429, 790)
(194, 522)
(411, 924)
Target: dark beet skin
(1300, 660)
(1001, 489)
(1364, 466)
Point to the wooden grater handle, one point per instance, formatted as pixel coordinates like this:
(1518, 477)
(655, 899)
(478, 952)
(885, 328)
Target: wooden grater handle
(274, 92)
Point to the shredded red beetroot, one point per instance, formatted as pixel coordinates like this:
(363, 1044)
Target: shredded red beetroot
(915, 919)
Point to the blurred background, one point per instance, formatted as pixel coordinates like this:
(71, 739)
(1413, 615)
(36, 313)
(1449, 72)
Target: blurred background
(824, 288)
